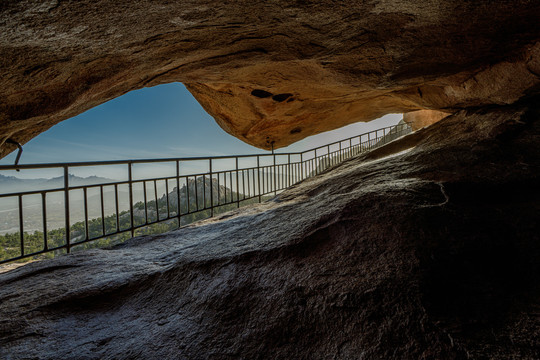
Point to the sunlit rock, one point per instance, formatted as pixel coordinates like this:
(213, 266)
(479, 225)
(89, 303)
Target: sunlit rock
(270, 73)
(422, 118)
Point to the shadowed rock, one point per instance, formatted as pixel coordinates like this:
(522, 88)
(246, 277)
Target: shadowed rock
(427, 248)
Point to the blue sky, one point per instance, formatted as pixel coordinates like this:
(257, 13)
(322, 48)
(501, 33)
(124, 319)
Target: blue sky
(157, 122)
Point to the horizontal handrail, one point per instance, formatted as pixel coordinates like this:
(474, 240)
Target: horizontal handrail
(190, 158)
(172, 200)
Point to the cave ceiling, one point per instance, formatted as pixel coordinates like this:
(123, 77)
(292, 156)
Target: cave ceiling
(269, 72)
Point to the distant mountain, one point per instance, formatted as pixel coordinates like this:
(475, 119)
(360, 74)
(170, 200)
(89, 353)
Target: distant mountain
(203, 188)
(9, 184)
(77, 181)
(196, 193)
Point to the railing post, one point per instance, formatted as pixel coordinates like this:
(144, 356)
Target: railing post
(237, 185)
(44, 213)
(21, 224)
(259, 177)
(204, 191)
(178, 207)
(289, 170)
(145, 200)
(117, 208)
(102, 210)
(275, 185)
(86, 229)
(211, 190)
(66, 201)
(316, 163)
(301, 166)
(130, 182)
(329, 159)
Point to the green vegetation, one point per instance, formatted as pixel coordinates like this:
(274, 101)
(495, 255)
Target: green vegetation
(118, 233)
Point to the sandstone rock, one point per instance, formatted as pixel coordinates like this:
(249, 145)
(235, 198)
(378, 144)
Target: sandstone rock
(324, 64)
(422, 118)
(427, 248)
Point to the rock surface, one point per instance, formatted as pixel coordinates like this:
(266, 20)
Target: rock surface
(427, 248)
(269, 72)
(422, 118)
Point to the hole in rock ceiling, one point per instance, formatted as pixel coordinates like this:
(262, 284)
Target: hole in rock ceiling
(261, 93)
(281, 97)
(296, 130)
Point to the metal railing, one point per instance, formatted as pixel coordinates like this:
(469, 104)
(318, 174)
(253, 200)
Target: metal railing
(138, 202)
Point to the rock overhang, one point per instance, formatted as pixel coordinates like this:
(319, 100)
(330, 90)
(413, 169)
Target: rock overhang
(269, 73)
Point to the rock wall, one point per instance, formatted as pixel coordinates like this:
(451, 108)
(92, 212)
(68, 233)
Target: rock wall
(269, 72)
(427, 248)
(422, 118)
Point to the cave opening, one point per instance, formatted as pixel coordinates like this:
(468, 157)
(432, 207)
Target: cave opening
(158, 122)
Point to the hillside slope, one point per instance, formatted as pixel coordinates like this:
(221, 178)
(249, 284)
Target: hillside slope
(427, 248)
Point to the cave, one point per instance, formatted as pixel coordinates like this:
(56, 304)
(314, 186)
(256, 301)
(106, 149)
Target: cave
(425, 248)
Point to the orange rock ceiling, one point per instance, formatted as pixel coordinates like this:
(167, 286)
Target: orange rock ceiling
(268, 72)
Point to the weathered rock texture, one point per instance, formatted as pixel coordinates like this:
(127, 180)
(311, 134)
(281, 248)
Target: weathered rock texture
(268, 71)
(422, 118)
(432, 252)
